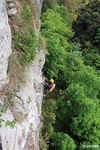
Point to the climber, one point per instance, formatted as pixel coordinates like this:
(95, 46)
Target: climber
(49, 85)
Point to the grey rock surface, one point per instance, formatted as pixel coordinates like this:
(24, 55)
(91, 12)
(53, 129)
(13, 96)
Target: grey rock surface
(38, 7)
(28, 102)
(25, 135)
(12, 11)
(5, 43)
(11, 8)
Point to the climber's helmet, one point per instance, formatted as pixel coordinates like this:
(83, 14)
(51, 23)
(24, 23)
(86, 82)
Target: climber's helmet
(52, 80)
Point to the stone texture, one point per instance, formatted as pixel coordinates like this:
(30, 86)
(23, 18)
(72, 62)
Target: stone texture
(12, 12)
(5, 42)
(11, 8)
(38, 5)
(25, 134)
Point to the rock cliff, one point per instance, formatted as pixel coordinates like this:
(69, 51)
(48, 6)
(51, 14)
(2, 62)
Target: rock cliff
(24, 106)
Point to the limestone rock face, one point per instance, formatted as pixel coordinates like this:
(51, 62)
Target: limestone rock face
(38, 4)
(28, 99)
(27, 111)
(5, 42)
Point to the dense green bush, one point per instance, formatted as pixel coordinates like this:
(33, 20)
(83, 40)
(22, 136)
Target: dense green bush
(49, 117)
(57, 32)
(87, 22)
(62, 141)
(26, 45)
(48, 4)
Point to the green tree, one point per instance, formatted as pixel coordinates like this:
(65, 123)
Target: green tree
(49, 117)
(61, 141)
(87, 23)
(78, 107)
(87, 33)
(92, 54)
(48, 4)
(74, 64)
(74, 6)
(57, 32)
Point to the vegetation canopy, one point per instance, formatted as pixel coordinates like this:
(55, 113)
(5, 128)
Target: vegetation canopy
(72, 33)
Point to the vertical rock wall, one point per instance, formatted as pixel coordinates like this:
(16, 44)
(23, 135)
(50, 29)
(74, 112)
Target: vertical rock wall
(5, 42)
(38, 4)
(28, 100)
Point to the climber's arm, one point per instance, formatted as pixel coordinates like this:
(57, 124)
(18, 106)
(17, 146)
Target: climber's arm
(53, 86)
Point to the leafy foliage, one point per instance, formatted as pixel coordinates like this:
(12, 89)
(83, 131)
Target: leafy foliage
(48, 113)
(88, 33)
(74, 6)
(62, 141)
(5, 122)
(48, 4)
(56, 31)
(73, 62)
(10, 123)
(88, 22)
(25, 41)
(26, 45)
